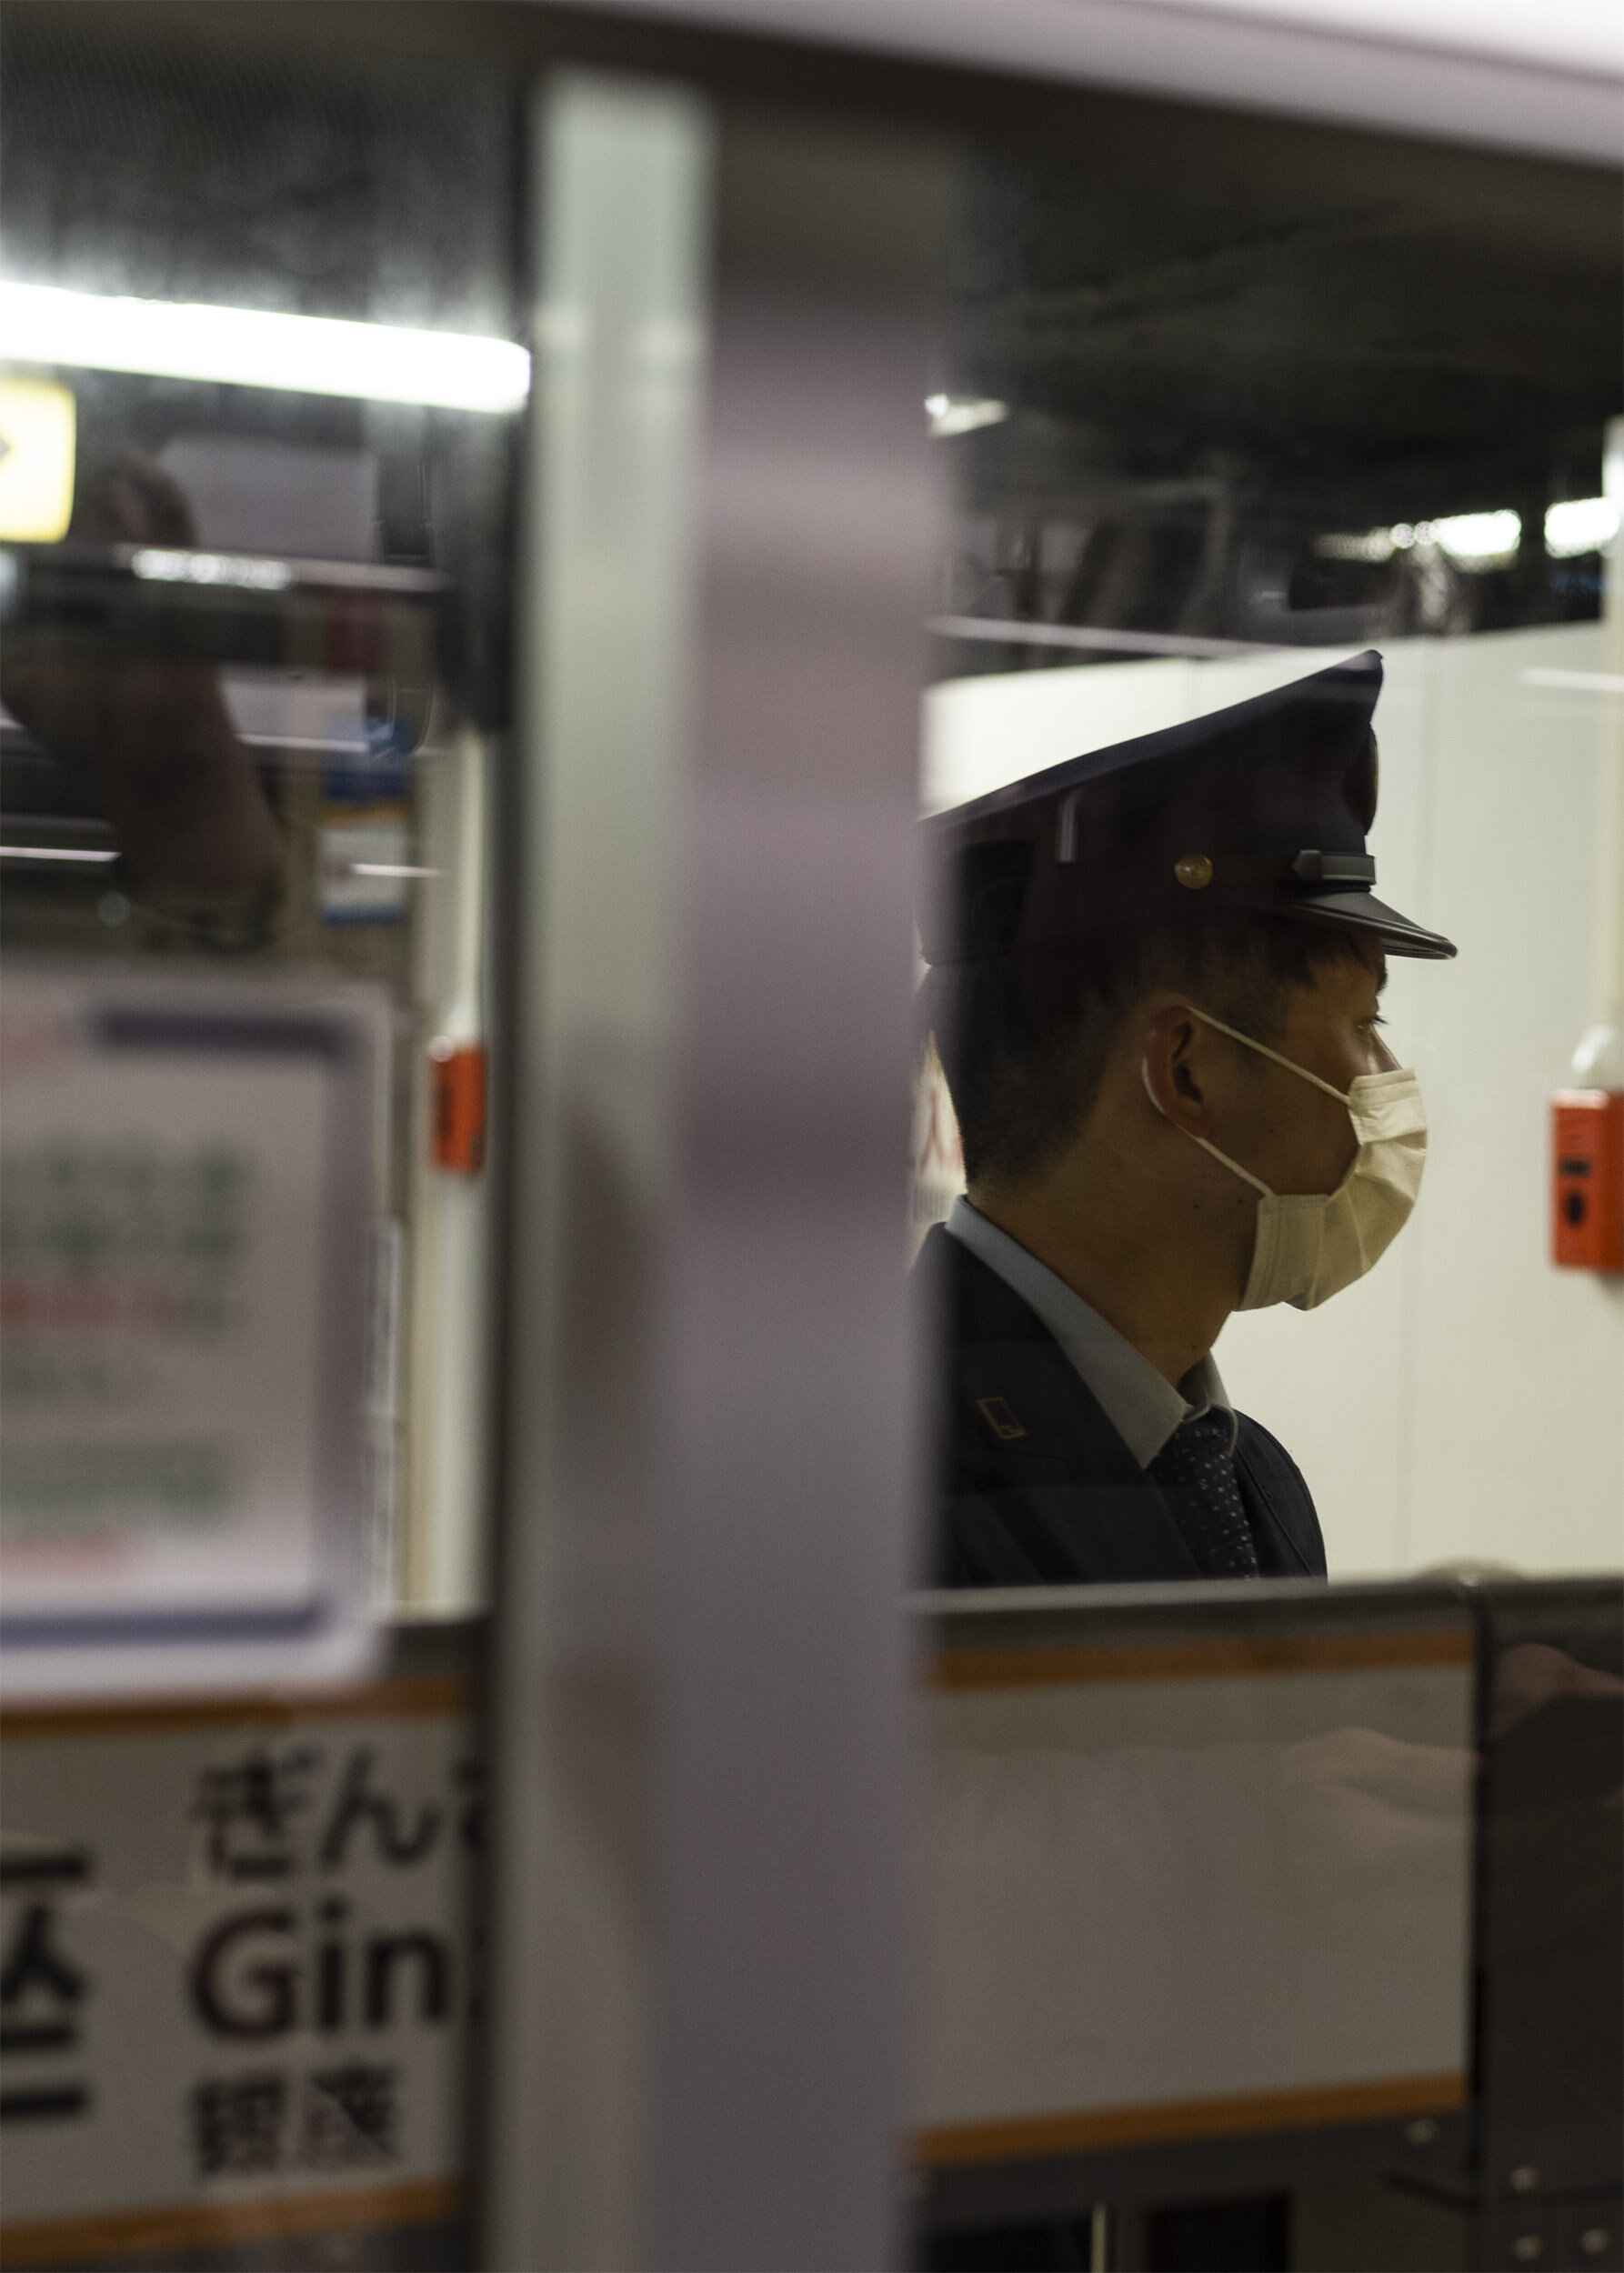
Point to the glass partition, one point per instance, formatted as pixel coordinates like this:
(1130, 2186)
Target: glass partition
(261, 411)
(1226, 400)
(261, 405)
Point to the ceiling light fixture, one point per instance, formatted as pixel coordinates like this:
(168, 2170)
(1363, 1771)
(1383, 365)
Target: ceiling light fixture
(1475, 540)
(1581, 525)
(1374, 546)
(1472, 540)
(305, 354)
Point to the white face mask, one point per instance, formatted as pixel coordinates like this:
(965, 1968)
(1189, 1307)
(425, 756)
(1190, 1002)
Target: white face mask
(1311, 1245)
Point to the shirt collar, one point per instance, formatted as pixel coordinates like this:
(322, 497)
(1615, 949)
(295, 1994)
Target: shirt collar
(1141, 1405)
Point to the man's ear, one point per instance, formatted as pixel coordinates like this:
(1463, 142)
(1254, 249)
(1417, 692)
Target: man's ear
(1172, 1053)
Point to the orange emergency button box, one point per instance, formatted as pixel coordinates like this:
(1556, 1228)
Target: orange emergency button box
(1586, 1223)
(456, 1071)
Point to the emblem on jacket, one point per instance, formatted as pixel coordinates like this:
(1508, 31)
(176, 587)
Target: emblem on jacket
(997, 1412)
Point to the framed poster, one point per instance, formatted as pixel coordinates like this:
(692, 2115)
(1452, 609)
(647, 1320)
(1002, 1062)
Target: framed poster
(186, 1209)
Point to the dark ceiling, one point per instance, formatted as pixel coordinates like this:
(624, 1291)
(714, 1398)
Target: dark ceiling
(1219, 335)
(1295, 328)
(1183, 283)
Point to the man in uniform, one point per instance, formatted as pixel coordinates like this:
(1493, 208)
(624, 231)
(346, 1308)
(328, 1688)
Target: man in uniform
(1154, 992)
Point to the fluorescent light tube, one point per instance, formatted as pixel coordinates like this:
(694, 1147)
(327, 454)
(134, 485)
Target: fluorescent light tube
(306, 355)
(1370, 546)
(1477, 539)
(1472, 540)
(1581, 525)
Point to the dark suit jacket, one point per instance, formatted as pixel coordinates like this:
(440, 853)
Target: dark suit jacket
(1036, 1488)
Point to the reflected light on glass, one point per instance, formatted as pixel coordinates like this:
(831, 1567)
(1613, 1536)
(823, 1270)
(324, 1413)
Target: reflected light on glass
(1475, 540)
(1577, 682)
(1581, 525)
(1372, 545)
(955, 414)
(37, 425)
(1472, 540)
(156, 564)
(308, 355)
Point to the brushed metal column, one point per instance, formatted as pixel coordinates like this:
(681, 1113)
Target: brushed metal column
(699, 1987)
(782, 1793)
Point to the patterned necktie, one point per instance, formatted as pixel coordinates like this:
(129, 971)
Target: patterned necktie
(1195, 1470)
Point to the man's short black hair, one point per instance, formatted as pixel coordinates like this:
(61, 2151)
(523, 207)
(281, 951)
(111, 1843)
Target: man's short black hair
(1024, 1036)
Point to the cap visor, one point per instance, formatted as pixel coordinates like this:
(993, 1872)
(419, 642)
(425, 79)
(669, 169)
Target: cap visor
(1362, 911)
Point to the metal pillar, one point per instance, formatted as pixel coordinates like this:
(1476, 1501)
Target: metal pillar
(698, 1998)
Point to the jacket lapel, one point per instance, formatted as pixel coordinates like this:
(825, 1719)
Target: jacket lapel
(1027, 1433)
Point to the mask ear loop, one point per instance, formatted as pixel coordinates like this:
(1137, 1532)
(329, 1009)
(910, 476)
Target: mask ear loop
(1263, 1050)
(1234, 1166)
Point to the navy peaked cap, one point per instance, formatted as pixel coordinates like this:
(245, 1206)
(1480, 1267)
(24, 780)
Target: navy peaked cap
(1262, 806)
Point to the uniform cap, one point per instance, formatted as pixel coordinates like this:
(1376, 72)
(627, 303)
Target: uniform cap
(1263, 806)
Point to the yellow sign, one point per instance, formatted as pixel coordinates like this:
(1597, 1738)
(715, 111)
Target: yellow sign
(36, 460)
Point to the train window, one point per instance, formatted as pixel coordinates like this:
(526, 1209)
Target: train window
(261, 414)
(261, 410)
(1228, 400)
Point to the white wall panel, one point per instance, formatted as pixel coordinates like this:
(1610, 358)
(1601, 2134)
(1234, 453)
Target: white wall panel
(1518, 1368)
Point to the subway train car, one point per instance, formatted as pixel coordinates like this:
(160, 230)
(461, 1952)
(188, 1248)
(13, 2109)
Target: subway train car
(707, 1601)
